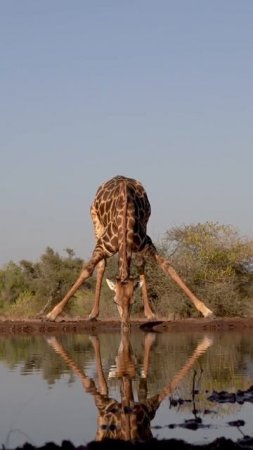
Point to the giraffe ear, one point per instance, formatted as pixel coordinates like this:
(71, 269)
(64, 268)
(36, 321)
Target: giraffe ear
(111, 284)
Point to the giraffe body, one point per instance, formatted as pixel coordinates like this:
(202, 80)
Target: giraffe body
(120, 213)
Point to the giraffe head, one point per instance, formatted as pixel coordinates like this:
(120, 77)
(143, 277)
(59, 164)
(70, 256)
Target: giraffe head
(124, 291)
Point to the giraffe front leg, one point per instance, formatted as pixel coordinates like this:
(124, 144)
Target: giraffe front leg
(140, 262)
(149, 341)
(100, 273)
(147, 308)
(85, 274)
(60, 306)
(103, 388)
(169, 270)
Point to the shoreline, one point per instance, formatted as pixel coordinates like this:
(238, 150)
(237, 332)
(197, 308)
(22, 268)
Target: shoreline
(80, 325)
(175, 444)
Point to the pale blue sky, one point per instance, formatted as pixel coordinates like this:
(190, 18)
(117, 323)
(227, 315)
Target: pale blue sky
(157, 90)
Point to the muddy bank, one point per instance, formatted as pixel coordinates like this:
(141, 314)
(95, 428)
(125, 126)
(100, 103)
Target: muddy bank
(39, 326)
(173, 444)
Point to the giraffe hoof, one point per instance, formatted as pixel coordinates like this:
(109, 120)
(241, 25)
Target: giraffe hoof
(209, 315)
(55, 316)
(143, 374)
(150, 316)
(93, 317)
(51, 317)
(93, 339)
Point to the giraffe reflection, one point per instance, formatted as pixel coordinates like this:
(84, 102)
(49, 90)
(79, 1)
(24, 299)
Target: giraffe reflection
(126, 419)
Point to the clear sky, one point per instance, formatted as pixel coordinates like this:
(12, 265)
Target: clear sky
(158, 90)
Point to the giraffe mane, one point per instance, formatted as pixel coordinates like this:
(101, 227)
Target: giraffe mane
(123, 192)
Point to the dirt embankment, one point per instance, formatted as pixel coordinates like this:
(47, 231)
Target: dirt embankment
(38, 326)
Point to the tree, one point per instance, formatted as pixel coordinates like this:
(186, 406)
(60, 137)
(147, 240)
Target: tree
(12, 283)
(53, 275)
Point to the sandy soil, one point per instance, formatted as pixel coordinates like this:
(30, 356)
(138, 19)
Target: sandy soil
(39, 326)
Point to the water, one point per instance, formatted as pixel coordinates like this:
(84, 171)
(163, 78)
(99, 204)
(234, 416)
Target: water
(52, 387)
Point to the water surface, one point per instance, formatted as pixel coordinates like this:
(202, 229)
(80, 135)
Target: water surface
(70, 386)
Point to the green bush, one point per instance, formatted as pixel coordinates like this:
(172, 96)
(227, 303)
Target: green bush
(24, 306)
(12, 283)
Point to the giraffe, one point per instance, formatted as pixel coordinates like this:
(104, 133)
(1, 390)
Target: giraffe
(120, 213)
(126, 419)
